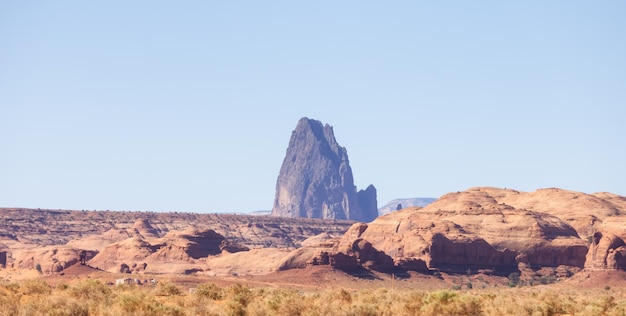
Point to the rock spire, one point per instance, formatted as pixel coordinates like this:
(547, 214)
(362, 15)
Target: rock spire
(315, 180)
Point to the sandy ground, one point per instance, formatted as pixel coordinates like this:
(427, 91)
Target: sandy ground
(322, 277)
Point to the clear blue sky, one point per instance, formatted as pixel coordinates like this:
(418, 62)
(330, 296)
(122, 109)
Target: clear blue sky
(189, 106)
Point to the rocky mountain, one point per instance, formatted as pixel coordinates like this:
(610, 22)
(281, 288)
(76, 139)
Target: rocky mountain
(398, 204)
(316, 181)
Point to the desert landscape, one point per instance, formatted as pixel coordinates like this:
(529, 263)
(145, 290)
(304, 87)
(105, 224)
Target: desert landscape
(483, 251)
(325, 249)
(187, 158)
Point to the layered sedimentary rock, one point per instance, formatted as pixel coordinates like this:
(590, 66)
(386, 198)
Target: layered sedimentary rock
(465, 230)
(316, 181)
(607, 251)
(176, 248)
(51, 259)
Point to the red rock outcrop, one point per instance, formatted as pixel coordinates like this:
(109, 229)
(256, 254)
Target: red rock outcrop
(469, 229)
(584, 212)
(144, 228)
(51, 259)
(179, 247)
(465, 252)
(353, 252)
(607, 251)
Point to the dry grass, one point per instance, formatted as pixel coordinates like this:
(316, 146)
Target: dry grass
(92, 297)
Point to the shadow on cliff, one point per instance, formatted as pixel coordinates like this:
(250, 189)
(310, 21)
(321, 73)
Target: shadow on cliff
(362, 273)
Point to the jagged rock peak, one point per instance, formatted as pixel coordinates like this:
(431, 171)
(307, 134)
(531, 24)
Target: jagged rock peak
(315, 180)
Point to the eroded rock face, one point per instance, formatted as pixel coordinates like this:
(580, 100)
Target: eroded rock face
(465, 230)
(51, 259)
(607, 251)
(465, 252)
(178, 247)
(315, 180)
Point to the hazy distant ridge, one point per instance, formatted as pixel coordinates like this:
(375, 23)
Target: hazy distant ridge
(393, 204)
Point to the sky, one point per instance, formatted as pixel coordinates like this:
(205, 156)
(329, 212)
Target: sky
(189, 106)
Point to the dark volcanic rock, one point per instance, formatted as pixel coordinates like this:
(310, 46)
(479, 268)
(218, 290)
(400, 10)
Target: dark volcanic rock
(315, 180)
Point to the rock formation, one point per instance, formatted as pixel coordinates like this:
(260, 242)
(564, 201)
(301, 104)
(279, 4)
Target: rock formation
(607, 251)
(94, 230)
(315, 180)
(177, 248)
(466, 230)
(142, 227)
(51, 259)
(549, 231)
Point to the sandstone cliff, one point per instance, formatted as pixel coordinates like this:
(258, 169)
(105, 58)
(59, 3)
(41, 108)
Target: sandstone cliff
(315, 180)
(177, 251)
(476, 230)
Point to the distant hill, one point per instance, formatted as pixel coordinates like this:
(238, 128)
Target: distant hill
(392, 206)
(260, 213)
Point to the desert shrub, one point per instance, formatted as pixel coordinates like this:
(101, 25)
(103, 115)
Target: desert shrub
(130, 303)
(9, 305)
(450, 303)
(514, 279)
(64, 306)
(141, 304)
(10, 288)
(93, 290)
(167, 289)
(604, 303)
(364, 310)
(209, 290)
(205, 310)
(345, 296)
(239, 293)
(90, 297)
(547, 280)
(238, 297)
(62, 287)
(291, 303)
(30, 287)
(468, 305)
(413, 303)
(235, 308)
(436, 303)
(274, 301)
